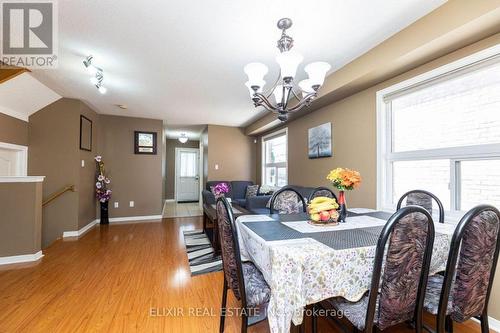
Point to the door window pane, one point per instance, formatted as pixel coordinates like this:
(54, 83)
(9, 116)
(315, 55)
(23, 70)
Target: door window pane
(480, 183)
(429, 175)
(461, 111)
(188, 164)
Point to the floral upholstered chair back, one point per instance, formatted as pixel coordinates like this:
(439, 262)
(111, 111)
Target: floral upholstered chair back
(287, 201)
(423, 199)
(405, 267)
(322, 192)
(231, 265)
(474, 268)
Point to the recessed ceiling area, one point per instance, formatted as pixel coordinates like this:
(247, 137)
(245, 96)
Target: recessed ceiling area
(183, 61)
(193, 132)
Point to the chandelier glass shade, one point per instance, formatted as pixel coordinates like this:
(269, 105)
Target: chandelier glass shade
(285, 88)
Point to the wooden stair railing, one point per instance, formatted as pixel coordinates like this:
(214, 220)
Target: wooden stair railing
(58, 194)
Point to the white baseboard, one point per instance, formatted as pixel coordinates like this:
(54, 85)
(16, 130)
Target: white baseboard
(493, 323)
(21, 258)
(134, 218)
(170, 200)
(80, 232)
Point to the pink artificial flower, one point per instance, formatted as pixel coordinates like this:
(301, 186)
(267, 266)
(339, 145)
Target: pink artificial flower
(98, 158)
(100, 178)
(107, 180)
(98, 185)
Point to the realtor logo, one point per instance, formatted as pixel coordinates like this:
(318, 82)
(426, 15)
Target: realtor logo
(29, 34)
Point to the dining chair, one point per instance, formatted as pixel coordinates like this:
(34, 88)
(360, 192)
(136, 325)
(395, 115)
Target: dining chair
(424, 199)
(464, 290)
(322, 192)
(243, 278)
(287, 200)
(397, 294)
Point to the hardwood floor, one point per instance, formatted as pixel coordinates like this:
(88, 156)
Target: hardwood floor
(113, 278)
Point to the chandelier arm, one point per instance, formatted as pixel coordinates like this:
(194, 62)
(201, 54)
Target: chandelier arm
(302, 103)
(295, 95)
(263, 101)
(286, 96)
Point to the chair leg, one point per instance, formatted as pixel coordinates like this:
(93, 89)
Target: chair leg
(244, 323)
(223, 307)
(314, 320)
(485, 327)
(448, 325)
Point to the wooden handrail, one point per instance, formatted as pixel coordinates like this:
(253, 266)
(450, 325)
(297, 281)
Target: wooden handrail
(59, 193)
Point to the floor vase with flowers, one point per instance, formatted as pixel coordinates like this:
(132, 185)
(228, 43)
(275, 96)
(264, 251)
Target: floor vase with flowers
(104, 213)
(103, 193)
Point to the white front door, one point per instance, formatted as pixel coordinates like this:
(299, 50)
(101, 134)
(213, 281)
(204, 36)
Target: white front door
(187, 180)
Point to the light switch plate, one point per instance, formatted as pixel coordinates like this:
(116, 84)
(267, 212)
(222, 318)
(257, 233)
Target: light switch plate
(131, 204)
(116, 204)
(216, 167)
(83, 163)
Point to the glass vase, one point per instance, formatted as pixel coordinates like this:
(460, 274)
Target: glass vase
(342, 207)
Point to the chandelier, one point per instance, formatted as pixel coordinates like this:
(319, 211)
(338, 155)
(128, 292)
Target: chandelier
(285, 88)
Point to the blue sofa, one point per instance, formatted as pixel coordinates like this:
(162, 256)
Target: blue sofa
(256, 205)
(237, 192)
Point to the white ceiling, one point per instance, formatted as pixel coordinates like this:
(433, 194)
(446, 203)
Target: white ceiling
(14, 93)
(183, 61)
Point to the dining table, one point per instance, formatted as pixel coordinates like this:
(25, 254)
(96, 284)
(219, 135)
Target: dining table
(304, 263)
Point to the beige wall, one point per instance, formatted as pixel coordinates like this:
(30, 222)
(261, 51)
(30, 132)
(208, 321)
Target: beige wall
(53, 152)
(354, 141)
(21, 218)
(86, 193)
(204, 144)
(233, 151)
(13, 130)
(133, 177)
(170, 146)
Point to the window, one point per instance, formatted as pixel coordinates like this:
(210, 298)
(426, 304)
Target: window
(441, 132)
(274, 159)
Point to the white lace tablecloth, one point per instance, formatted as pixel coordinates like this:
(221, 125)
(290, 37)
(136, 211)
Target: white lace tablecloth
(305, 271)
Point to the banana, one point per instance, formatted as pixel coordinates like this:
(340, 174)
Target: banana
(322, 207)
(319, 200)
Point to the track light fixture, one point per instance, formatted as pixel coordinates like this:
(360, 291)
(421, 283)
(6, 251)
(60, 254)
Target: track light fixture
(98, 74)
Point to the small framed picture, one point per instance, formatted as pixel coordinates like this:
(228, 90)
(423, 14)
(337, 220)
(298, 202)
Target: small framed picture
(145, 143)
(85, 133)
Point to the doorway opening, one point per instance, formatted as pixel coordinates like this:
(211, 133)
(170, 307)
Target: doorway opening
(187, 176)
(13, 160)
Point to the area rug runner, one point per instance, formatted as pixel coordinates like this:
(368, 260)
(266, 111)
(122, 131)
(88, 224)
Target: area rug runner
(200, 253)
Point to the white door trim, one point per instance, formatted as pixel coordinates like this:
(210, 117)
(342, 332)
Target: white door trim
(22, 157)
(177, 149)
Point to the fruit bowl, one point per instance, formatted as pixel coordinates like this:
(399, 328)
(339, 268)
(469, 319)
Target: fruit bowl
(323, 211)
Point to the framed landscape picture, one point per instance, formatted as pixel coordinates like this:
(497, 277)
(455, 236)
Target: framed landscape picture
(145, 143)
(320, 141)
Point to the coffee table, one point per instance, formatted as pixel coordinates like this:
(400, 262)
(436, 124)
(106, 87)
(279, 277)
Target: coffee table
(210, 217)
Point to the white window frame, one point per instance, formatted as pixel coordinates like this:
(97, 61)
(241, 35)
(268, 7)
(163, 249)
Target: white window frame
(385, 155)
(276, 165)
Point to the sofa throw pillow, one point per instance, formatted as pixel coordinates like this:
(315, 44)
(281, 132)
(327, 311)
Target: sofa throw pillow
(252, 191)
(214, 192)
